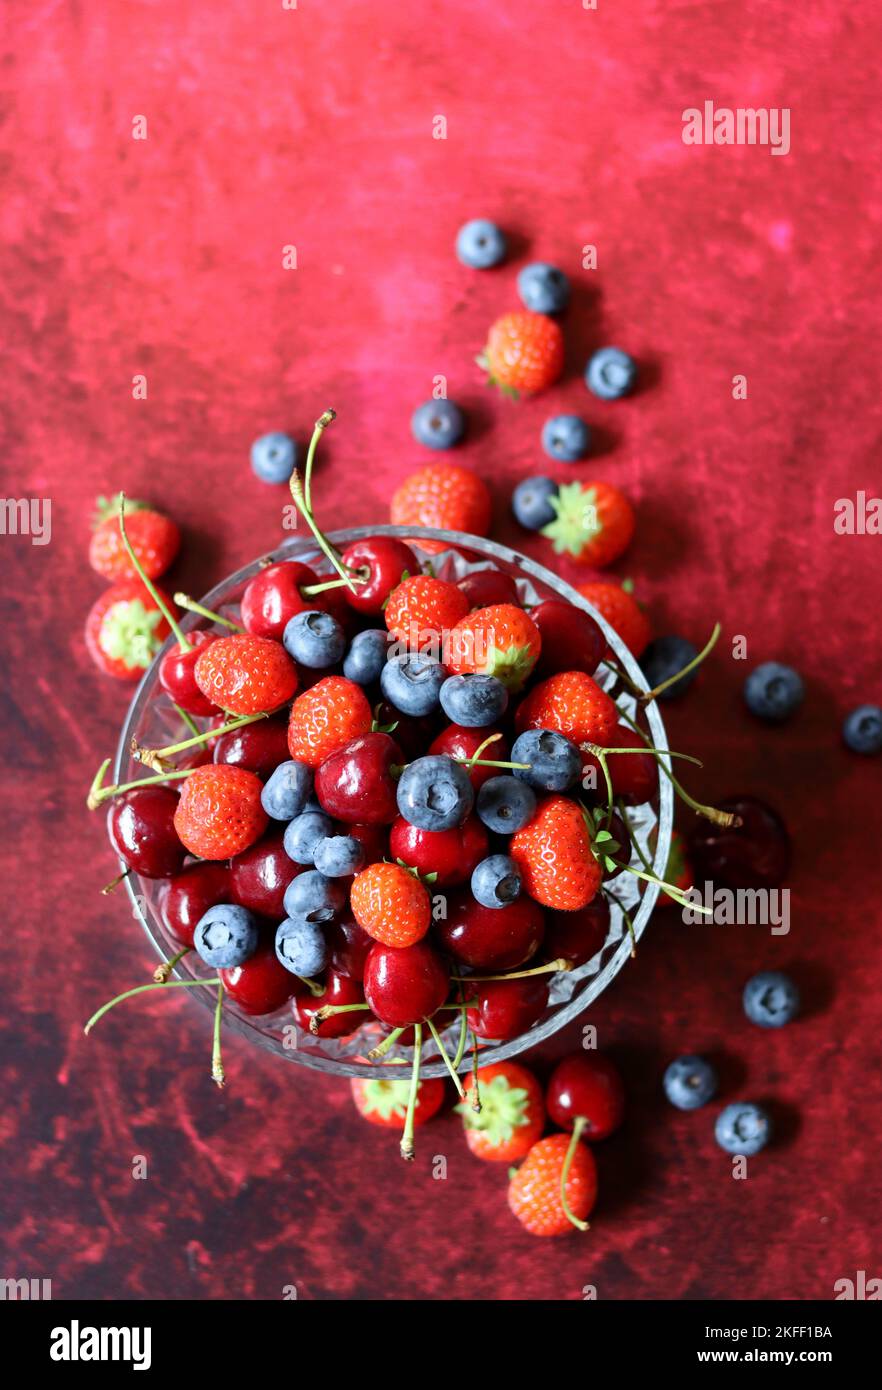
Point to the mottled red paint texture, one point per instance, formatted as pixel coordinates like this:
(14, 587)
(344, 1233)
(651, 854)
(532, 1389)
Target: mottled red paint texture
(313, 128)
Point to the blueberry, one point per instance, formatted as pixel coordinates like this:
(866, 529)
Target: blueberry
(314, 897)
(225, 936)
(611, 373)
(473, 701)
(412, 683)
(862, 729)
(554, 762)
(566, 437)
(663, 658)
(505, 804)
(743, 1128)
(301, 946)
(339, 856)
(304, 833)
(531, 502)
(480, 244)
(690, 1082)
(438, 424)
(435, 793)
(273, 457)
(496, 881)
(287, 790)
(773, 691)
(771, 999)
(543, 288)
(366, 656)
(314, 638)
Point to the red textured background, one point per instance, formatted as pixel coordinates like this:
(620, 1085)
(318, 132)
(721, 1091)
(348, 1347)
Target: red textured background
(313, 127)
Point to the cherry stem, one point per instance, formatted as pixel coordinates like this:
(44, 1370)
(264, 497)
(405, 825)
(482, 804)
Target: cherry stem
(407, 1149)
(185, 601)
(188, 720)
(97, 793)
(326, 418)
(148, 583)
(383, 1047)
(576, 1135)
(163, 971)
(142, 989)
(551, 967)
(494, 738)
(696, 661)
(217, 1065)
(463, 1033)
(309, 589)
(476, 1087)
(671, 890)
(329, 1010)
(725, 819)
(151, 756)
(115, 882)
(475, 761)
(445, 1059)
(313, 986)
(627, 916)
(301, 492)
(622, 676)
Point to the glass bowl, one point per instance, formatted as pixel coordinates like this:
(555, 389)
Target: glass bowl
(153, 721)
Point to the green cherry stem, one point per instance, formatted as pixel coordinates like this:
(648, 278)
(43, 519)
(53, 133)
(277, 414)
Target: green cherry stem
(552, 967)
(383, 1047)
(407, 1149)
(476, 1087)
(445, 1059)
(115, 882)
(578, 1127)
(163, 971)
(148, 583)
(185, 601)
(142, 989)
(309, 589)
(329, 1010)
(696, 661)
(217, 1064)
(721, 818)
(188, 720)
(671, 890)
(627, 916)
(98, 794)
(326, 418)
(151, 757)
(487, 762)
(463, 1033)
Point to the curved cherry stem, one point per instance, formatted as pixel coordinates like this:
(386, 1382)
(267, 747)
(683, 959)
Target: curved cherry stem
(331, 1010)
(627, 916)
(407, 1148)
(552, 967)
(309, 589)
(163, 971)
(385, 1046)
(142, 989)
(148, 583)
(696, 661)
(476, 1085)
(99, 794)
(151, 757)
(445, 1059)
(576, 1135)
(114, 883)
(188, 720)
(326, 418)
(185, 601)
(301, 492)
(671, 889)
(217, 1064)
(463, 1033)
(725, 819)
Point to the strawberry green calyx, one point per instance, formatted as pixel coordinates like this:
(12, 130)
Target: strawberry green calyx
(512, 666)
(576, 522)
(388, 1099)
(504, 1109)
(128, 633)
(109, 506)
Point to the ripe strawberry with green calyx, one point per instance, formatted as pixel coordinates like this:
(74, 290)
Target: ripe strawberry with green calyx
(524, 353)
(501, 641)
(593, 524)
(125, 629)
(246, 674)
(555, 854)
(571, 703)
(446, 496)
(512, 1113)
(154, 537)
(382, 1101)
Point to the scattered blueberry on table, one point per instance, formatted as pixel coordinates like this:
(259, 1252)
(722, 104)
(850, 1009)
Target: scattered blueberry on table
(273, 457)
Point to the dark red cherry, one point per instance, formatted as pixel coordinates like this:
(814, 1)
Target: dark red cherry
(188, 896)
(507, 1008)
(755, 854)
(571, 640)
(459, 742)
(273, 596)
(634, 776)
(258, 747)
(491, 938)
(384, 561)
(177, 674)
(577, 936)
(260, 875)
(450, 854)
(261, 985)
(373, 838)
(348, 944)
(404, 985)
(484, 588)
(339, 989)
(357, 783)
(586, 1086)
(412, 733)
(141, 827)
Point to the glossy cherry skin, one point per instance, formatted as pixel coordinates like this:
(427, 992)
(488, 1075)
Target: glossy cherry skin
(349, 945)
(273, 596)
(484, 588)
(755, 854)
(141, 827)
(339, 989)
(188, 896)
(491, 938)
(261, 985)
(571, 639)
(177, 674)
(385, 561)
(357, 784)
(586, 1085)
(634, 776)
(577, 936)
(450, 854)
(412, 733)
(260, 875)
(258, 747)
(507, 1008)
(458, 742)
(404, 985)
(373, 838)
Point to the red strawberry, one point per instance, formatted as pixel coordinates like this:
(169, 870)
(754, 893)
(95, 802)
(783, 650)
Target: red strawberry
(125, 629)
(616, 603)
(325, 717)
(501, 641)
(572, 703)
(446, 496)
(219, 812)
(390, 904)
(512, 1114)
(420, 610)
(155, 540)
(384, 1102)
(245, 674)
(678, 871)
(524, 353)
(534, 1193)
(555, 857)
(594, 523)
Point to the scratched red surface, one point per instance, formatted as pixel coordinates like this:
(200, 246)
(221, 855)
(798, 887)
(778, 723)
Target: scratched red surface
(313, 127)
